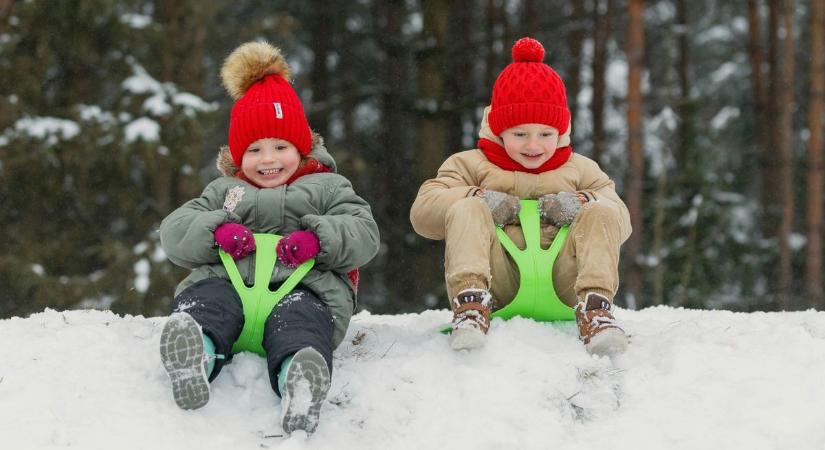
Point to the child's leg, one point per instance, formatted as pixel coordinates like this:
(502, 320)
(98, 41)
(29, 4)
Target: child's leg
(473, 260)
(183, 354)
(217, 308)
(589, 260)
(469, 237)
(298, 339)
(299, 320)
(197, 338)
(586, 276)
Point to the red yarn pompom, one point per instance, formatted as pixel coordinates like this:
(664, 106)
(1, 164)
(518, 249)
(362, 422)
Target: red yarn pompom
(528, 50)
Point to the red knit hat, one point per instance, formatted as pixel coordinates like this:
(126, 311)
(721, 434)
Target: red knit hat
(528, 91)
(266, 106)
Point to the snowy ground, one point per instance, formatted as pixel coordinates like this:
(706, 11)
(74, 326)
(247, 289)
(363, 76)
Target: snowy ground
(690, 380)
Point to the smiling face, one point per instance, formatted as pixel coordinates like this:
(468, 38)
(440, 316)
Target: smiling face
(270, 162)
(530, 144)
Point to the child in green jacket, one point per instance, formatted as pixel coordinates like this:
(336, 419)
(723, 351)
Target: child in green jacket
(278, 179)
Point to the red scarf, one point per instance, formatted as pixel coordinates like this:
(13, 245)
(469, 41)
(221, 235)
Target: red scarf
(498, 156)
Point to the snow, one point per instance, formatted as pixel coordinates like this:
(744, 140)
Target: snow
(724, 71)
(192, 103)
(49, 128)
(725, 115)
(158, 104)
(136, 21)
(95, 113)
(141, 82)
(690, 380)
(797, 241)
(142, 270)
(143, 128)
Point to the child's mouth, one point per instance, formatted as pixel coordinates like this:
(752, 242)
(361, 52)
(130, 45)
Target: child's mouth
(269, 172)
(528, 155)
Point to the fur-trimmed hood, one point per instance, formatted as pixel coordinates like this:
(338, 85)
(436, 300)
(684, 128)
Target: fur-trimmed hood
(227, 166)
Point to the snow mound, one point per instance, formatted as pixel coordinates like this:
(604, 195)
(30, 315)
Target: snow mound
(690, 379)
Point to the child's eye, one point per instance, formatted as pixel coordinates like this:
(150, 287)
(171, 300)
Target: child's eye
(519, 134)
(281, 147)
(253, 149)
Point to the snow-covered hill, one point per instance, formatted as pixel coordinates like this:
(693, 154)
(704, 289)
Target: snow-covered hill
(690, 380)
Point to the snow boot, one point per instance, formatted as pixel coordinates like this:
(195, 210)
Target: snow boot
(471, 319)
(188, 357)
(304, 381)
(597, 327)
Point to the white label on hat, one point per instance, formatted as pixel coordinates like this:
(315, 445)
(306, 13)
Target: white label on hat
(279, 113)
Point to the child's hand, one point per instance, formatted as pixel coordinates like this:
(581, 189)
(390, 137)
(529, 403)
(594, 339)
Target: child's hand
(235, 239)
(298, 247)
(560, 209)
(505, 207)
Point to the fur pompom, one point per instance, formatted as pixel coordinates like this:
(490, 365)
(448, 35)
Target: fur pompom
(249, 63)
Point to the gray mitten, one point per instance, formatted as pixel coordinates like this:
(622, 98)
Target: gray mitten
(559, 209)
(505, 207)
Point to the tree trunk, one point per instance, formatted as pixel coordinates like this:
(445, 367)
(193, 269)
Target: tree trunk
(687, 107)
(432, 60)
(756, 48)
(181, 58)
(658, 239)
(496, 44)
(635, 175)
(531, 18)
(322, 20)
(602, 12)
(395, 181)
(182, 49)
(816, 99)
(576, 40)
(771, 196)
(461, 76)
(785, 149)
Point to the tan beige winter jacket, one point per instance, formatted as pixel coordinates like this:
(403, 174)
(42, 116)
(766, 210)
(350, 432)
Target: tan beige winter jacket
(465, 171)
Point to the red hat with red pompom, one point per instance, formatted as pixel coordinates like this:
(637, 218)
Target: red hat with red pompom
(528, 91)
(257, 77)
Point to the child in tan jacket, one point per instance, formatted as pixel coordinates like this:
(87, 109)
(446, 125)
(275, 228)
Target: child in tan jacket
(524, 152)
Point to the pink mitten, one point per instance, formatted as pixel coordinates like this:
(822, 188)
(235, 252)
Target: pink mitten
(297, 247)
(235, 239)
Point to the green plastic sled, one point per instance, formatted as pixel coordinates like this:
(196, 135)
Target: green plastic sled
(258, 301)
(536, 297)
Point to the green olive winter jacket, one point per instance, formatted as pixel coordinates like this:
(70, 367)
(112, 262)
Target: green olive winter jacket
(324, 203)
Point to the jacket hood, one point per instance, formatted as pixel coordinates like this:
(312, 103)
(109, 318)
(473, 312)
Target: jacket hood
(485, 132)
(227, 166)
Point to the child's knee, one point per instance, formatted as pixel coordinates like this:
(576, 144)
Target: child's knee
(603, 211)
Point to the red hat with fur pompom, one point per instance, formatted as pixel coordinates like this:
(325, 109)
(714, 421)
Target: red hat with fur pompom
(528, 91)
(257, 77)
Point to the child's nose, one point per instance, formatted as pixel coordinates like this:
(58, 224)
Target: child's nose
(268, 155)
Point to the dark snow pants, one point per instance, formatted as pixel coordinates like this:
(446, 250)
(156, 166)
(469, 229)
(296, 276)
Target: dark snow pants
(299, 320)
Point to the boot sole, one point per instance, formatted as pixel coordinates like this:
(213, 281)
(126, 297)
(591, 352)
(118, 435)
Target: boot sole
(611, 341)
(467, 339)
(182, 354)
(305, 389)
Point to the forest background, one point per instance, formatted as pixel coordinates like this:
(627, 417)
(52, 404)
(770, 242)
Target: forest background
(708, 115)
